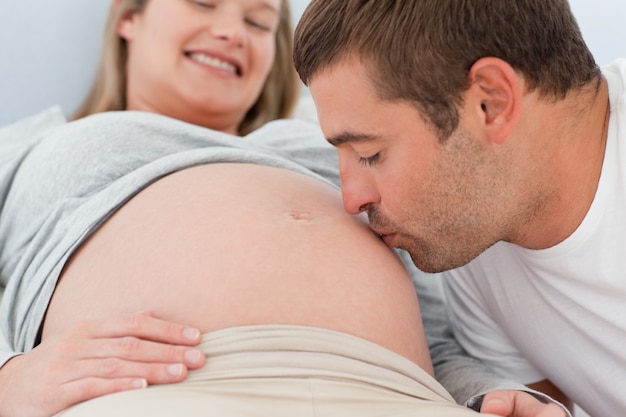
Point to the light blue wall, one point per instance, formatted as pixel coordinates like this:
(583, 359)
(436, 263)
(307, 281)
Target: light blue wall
(49, 47)
(297, 7)
(602, 23)
(49, 51)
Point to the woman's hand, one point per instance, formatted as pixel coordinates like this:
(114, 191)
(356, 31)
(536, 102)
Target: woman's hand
(96, 358)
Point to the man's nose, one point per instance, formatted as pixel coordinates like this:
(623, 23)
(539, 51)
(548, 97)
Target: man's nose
(358, 189)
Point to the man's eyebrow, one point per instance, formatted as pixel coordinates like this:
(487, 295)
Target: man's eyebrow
(350, 137)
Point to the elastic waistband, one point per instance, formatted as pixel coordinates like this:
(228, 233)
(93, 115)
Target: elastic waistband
(271, 351)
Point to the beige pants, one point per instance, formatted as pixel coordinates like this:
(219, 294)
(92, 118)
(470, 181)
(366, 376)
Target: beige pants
(290, 371)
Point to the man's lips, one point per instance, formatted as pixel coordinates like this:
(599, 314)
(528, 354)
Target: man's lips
(389, 239)
(216, 61)
(387, 236)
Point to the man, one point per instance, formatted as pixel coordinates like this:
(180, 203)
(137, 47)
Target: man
(482, 137)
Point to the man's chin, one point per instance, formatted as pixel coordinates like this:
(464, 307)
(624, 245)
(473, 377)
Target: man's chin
(437, 263)
(431, 262)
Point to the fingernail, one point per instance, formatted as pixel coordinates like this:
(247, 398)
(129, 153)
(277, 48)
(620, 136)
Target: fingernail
(139, 383)
(175, 369)
(193, 356)
(191, 334)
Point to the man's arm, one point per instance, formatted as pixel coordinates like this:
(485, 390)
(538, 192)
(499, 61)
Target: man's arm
(466, 378)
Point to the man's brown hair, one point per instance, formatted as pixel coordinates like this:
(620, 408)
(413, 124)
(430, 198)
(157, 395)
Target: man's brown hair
(420, 51)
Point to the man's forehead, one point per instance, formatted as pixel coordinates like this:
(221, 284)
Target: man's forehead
(341, 91)
(350, 66)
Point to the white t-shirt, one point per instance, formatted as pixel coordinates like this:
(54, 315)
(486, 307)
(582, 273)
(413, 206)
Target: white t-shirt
(558, 313)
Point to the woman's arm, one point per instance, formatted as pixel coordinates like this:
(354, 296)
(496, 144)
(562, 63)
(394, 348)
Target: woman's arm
(15, 141)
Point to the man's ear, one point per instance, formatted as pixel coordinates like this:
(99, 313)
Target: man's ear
(496, 96)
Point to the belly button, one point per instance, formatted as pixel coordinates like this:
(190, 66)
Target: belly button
(300, 216)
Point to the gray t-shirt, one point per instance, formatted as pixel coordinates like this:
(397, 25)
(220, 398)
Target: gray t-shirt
(61, 184)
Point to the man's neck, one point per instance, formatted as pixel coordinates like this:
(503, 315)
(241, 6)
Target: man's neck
(571, 154)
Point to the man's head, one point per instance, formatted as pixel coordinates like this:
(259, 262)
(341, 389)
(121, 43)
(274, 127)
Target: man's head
(421, 51)
(421, 97)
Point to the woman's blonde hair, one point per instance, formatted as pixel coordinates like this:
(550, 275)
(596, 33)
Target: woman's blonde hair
(108, 92)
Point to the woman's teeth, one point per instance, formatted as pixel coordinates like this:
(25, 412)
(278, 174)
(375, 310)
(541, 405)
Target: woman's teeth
(213, 62)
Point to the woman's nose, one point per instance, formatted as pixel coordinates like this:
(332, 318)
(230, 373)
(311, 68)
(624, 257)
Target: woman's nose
(229, 26)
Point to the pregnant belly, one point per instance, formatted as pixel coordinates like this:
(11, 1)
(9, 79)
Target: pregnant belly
(223, 245)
